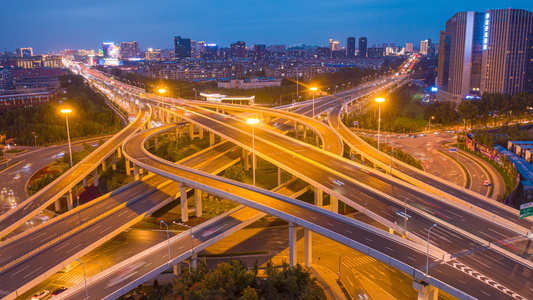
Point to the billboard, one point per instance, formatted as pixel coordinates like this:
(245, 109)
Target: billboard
(111, 50)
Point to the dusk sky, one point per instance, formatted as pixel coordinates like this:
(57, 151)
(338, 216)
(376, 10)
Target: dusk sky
(54, 25)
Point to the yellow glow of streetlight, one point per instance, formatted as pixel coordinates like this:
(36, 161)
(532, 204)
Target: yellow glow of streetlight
(313, 89)
(253, 121)
(66, 111)
(380, 100)
(432, 117)
(162, 91)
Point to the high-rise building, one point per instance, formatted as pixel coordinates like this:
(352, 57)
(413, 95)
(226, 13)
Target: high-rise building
(362, 46)
(182, 48)
(194, 50)
(238, 49)
(485, 52)
(25, 52)
(409, 47)
(375, 52)
(210, 52)
(350, 47)
(424, 47)
(129, 50)
(201, 48)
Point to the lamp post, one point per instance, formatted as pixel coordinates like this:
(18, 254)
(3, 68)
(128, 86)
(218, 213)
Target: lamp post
(313, 89)
(379, 101)
(162, 92)
(253, 121)
(405, 217)
(427, 257)
(168, 241)
(101, 268)
(67, 111)
(195, 94)
(85, 278)
(432, 117)
(35, 138)
(192, 236)
(340, 264)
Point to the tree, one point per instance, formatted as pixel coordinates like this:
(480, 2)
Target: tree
(235, 172)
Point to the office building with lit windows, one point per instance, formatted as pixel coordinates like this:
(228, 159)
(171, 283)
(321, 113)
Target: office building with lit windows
(486, 52)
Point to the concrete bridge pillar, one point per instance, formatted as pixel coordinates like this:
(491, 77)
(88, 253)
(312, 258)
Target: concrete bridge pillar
(58, 205)
(317, 139)
(113, 162)
(198, 201)
(191, 130)
(211, 138)
(177, 133)
(305, 132)
(157, 139)
(183, 197)
(194, 260)
(425, 291)
(85, 182)
(135, 172)
(70, 199)
(296, 133)
(177, 269)
(334, 204)
(119, 152)
(245, 159)
(319, 197)
(292, 244)
(308, 241)
(104, 166)
(128, 166)
(95, 177)
(201, 132)
(281, 175)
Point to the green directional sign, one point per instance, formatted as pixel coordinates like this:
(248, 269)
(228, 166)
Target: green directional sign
(526, 210)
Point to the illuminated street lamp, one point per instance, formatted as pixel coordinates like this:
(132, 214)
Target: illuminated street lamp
(253, 121)
(192, 236)
(84, 277)
(67, 111)
(379, 101)
(168, 241)
(432, 117)
(313, 89)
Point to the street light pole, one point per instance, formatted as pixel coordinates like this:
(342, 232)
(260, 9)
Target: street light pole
(340, 264)
(379, 101)
(85, 278)
(253, 121)
(192, 236)
(405, 216)
(168, 241)
(391, 151)
(427, 257)
(35, 137)
(313, 89)
(101, 268)
(66, 112)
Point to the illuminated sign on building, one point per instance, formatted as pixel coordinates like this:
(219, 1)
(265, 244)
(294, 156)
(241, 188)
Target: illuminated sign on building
(486, 32)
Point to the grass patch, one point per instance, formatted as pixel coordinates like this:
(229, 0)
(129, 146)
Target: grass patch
(467, 184)
(15, 151)
(12, 165)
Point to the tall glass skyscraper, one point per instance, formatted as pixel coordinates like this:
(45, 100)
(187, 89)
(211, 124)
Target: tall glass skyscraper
(485, 52)
(182, 47)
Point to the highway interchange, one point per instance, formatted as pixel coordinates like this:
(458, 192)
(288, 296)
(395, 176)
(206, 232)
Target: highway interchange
(333, 174)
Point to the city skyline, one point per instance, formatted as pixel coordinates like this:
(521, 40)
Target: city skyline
(86, 26)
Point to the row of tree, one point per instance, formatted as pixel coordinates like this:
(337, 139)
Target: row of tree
(90, 116)
(234, 281)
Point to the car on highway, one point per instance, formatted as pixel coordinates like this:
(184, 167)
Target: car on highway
(40, 295)
(58, 291)
(17, 177)
(486, 183)
(10, 193)
(210, 231)
(125, 273)
(27, 166)
(4, 190)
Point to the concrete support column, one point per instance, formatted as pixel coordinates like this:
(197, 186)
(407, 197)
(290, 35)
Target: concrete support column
(104, 166)
(70, 199)
(135, 172)
(58, 205)
(128, 166)
(308, 241)
(201, 132)
(352, 156)
(198, 201)
(317, 140)
(245, 159)
(177, 269)
(113, 162)
(296, 133)
(319, 197)
(281, 175)
(191, 130)
(292, 244)
(85, 182)
(334, 204)
(194, 259)
(426, 291)
(362, 160)
(157, 139)
(211, 138)
(183, 199)
(119, 152)
(95, 177)
(305, 131)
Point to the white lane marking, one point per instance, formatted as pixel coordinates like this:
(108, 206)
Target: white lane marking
(485, 293)
(20, 270)
(461, 281)
(368, 239)
(33, 272)
(389, 249)
(348, 231)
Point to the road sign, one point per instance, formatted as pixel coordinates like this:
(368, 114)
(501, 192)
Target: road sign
(453, 149)
(526, 210)
(355, 123)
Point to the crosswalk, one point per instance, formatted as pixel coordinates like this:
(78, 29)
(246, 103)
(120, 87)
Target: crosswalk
(45, 153)
(358, 261)
(69, 279)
